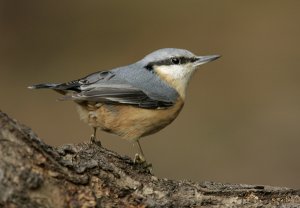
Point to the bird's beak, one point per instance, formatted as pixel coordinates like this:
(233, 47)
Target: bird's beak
(205, 59)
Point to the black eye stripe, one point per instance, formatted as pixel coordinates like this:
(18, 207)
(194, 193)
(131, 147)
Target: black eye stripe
(171, 61)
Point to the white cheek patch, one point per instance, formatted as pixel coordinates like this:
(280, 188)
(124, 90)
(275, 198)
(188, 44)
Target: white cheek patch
(175, 71)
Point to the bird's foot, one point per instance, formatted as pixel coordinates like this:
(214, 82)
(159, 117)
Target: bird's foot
(140, 160)
(95, 141)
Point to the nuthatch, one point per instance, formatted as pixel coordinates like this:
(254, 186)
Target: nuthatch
(136, 100)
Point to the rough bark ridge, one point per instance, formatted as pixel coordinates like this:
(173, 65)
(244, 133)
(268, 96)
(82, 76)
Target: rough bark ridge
(34, 174)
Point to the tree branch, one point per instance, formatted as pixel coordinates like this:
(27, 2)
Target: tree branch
(34, 174)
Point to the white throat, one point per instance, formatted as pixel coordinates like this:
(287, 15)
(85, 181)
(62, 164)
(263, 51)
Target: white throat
(177, 76)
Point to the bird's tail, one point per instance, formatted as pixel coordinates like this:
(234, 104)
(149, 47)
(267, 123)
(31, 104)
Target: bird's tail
(43, 86)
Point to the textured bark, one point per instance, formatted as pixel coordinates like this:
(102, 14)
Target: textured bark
(34, 174)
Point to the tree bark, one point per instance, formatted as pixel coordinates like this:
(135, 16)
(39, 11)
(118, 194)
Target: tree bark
(34, 174)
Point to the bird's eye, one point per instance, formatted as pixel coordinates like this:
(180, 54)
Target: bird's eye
(175, 60)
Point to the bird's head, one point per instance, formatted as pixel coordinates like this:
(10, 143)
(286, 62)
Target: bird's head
(175, 66)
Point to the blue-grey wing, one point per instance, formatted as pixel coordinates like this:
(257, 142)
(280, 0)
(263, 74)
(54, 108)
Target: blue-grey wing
(111, 87)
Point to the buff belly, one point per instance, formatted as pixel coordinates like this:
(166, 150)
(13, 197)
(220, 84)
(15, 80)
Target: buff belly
(127, 121)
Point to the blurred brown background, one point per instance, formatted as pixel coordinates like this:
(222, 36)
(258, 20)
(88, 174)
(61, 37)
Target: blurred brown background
(241, 120)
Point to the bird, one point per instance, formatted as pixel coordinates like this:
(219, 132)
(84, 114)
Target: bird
(136, 100)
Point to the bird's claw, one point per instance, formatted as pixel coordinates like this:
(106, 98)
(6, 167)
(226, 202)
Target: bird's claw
(140, 160)
(95, 141)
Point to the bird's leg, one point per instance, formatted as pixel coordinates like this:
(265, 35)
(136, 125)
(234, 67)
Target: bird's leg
(140, 158)
(93, 137)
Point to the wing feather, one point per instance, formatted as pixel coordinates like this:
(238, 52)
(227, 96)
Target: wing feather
(106, 87)
(118, 94)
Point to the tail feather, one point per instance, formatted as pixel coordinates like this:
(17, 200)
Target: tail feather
(43, 86)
